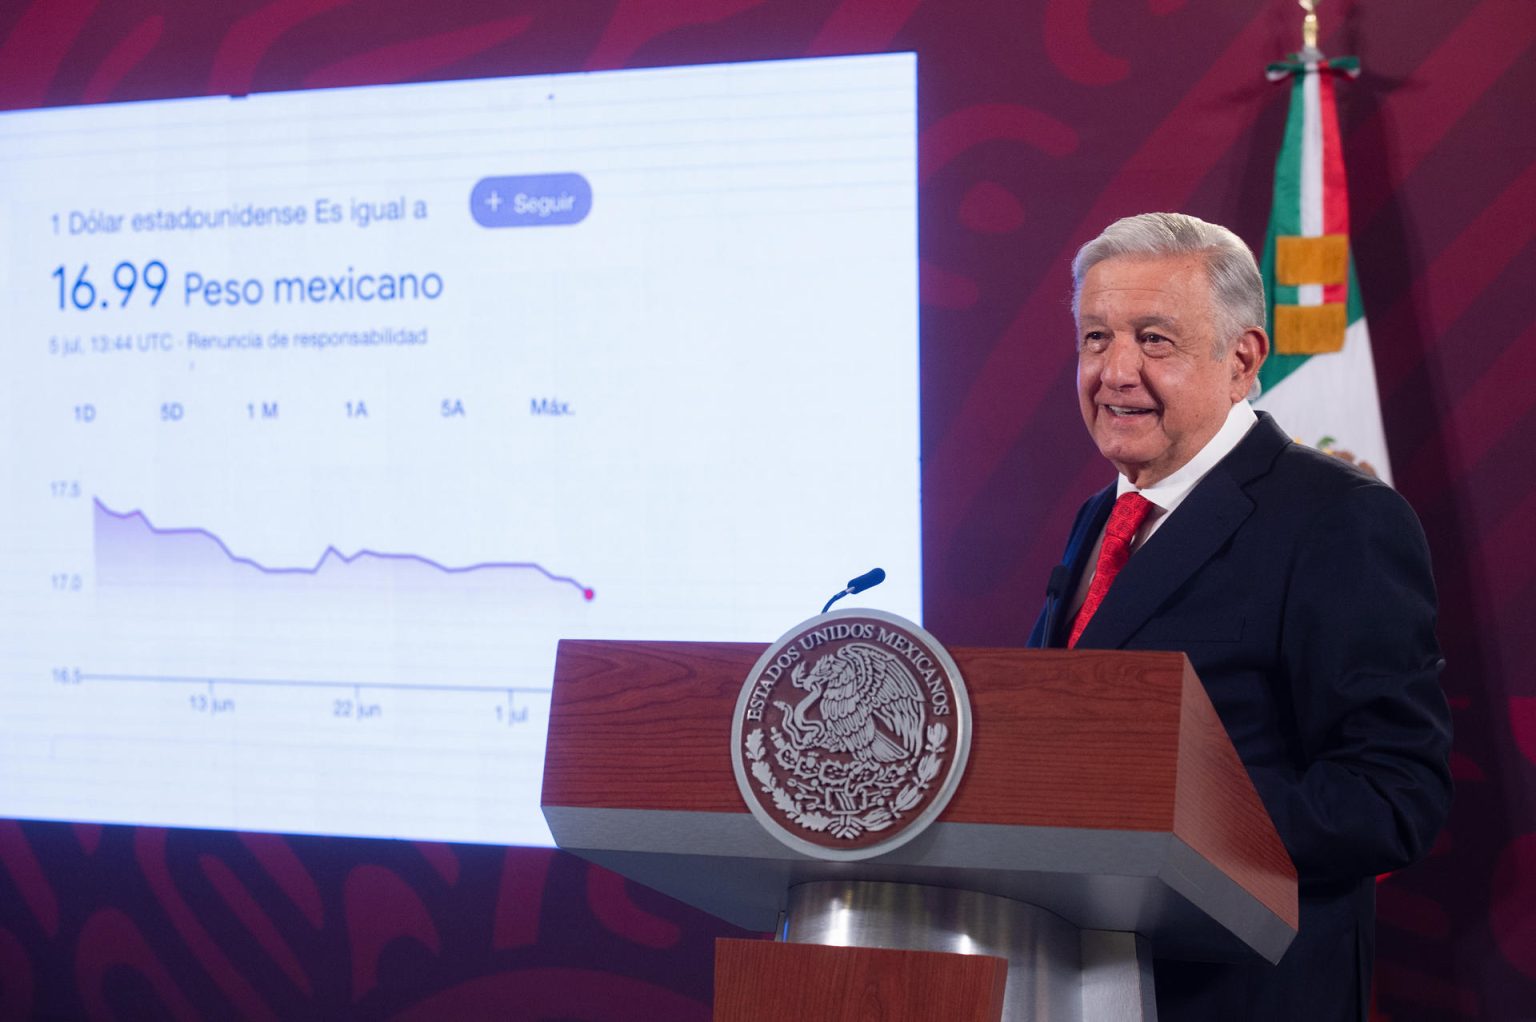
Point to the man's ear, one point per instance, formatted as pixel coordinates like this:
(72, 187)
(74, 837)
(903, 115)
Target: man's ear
(1248, 354)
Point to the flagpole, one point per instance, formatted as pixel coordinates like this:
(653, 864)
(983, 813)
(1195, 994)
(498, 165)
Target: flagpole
(1309, 50)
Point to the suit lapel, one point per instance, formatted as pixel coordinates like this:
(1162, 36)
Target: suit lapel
(1203, 523)
(1079, 547)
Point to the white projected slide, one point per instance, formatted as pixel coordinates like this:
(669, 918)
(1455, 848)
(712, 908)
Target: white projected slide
(327, 414)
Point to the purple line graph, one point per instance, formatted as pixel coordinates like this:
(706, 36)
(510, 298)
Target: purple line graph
(130, 548)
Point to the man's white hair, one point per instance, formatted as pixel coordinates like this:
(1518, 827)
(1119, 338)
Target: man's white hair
(1236, 287)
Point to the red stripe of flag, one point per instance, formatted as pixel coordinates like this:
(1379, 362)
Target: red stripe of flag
(1335, 188)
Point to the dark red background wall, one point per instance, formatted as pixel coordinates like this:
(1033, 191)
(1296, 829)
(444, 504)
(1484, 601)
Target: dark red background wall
(1040, 121)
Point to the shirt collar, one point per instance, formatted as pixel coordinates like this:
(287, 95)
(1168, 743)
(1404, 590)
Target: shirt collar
(1169, 493)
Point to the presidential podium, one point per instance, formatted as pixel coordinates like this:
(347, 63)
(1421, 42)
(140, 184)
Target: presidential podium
(1103, 814)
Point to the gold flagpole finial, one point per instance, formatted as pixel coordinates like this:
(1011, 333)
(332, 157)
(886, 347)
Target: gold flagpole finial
(1309, 25)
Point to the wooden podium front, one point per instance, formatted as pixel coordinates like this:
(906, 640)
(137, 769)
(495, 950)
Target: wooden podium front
(1101, 789)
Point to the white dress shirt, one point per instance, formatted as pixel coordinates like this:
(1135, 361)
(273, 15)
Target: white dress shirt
(1166, 495)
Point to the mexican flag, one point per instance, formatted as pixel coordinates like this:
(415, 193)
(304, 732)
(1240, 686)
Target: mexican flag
(1319, 381)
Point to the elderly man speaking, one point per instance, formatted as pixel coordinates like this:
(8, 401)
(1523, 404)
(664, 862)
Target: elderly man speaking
(1298, 586)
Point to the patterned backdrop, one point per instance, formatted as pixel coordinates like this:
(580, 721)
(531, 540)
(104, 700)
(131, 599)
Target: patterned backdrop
(1040, 121)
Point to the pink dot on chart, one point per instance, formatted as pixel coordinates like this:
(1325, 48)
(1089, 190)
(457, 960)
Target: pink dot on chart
(587, 593)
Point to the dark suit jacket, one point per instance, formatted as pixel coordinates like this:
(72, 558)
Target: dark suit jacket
(1300, 589)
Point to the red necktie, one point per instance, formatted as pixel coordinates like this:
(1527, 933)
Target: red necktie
(1124, 519)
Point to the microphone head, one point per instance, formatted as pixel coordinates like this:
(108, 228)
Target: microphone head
(868, 580)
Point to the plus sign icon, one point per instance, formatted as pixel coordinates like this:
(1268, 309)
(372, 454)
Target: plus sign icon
(530, 200)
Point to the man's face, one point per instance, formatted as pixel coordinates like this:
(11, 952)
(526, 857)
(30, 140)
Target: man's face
(1151, 388)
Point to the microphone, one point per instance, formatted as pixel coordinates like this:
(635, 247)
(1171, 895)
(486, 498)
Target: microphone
(1055, 592)
(868, 580)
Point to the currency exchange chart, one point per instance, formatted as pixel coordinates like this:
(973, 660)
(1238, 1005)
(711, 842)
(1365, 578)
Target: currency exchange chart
(325, 415)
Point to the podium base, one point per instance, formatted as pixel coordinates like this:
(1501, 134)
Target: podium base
(770, 981)
(1055, 970)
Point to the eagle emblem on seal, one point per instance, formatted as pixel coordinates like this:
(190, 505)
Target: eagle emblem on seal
(845, 732)
(860, 700)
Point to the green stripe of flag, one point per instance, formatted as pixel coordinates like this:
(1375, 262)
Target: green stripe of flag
(1284, 219)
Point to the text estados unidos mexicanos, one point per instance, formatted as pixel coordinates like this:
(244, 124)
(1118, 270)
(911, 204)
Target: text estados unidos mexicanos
(900, 644)
(315, 289)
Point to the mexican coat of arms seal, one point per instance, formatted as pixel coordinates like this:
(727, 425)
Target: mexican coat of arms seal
(850, 734)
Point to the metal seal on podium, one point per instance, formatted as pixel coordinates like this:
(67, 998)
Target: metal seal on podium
(850, 734)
